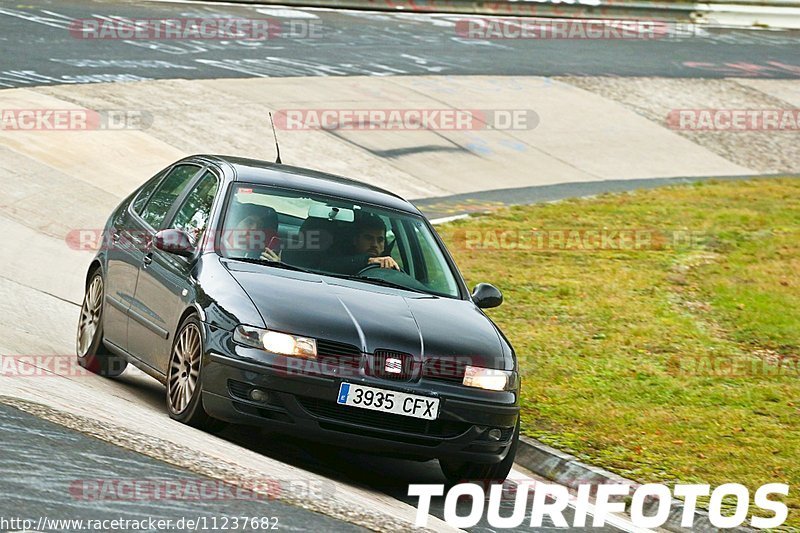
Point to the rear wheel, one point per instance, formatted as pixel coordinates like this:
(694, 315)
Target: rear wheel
(463, 472)
(185, 380)
(92, 354)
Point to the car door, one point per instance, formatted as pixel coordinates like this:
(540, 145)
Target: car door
(142, 226)
(123, 257)
(165, 282)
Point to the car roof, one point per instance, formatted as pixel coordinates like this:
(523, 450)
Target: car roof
(267, 173)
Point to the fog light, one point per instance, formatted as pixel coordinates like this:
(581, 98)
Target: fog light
(258, 395)
(495, 434)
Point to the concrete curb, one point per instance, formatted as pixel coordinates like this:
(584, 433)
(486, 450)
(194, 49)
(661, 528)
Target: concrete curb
(567, 470)
(784, 14)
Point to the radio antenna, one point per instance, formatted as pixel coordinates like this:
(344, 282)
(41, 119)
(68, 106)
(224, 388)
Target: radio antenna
(275, 136)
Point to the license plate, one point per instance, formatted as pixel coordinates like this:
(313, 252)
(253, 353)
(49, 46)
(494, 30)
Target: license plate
(387, 401)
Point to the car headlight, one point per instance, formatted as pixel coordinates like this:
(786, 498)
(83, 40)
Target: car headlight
(276, 342)
(489, 378)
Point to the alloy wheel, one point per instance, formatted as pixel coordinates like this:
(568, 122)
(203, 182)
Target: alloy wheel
(184, 369)
(90, 316)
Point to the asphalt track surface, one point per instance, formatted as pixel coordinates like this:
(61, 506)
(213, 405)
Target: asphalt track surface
(42, 461)
(38, 50)
(54, 473)
(357, 43)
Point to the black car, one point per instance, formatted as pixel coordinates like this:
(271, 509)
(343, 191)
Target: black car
(308, 303)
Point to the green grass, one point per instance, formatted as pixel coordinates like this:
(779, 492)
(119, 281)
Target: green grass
(674, 364)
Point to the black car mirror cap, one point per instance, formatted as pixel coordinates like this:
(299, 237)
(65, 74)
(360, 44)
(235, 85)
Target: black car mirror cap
(174, 241)
(487, 296)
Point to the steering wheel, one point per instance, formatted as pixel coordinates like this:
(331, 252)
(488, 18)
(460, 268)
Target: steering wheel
(370, 266)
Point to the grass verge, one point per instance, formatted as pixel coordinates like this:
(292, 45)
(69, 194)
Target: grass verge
(668, 354)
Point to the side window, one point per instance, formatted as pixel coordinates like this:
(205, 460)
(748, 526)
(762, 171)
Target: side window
(193, 215)
(145, 192)
(396, 241)
(166, 194)
(433, 263)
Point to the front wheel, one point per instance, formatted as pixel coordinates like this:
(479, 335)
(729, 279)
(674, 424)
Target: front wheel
(185, 380)
(92, 353)
(462, 472)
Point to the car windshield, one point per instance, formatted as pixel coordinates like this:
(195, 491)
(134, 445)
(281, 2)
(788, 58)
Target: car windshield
(336, 237)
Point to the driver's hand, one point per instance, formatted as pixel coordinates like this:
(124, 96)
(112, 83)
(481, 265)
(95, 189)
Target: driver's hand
(384, 262)
(269, 255)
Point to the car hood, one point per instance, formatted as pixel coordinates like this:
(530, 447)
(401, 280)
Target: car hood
(372, 317)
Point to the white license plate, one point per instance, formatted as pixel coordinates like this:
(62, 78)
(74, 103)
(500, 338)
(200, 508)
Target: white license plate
(387, 401)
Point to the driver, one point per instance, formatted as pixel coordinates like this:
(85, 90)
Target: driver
(367, 247)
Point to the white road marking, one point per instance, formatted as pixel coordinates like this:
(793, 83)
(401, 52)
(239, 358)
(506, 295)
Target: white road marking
(445, 220)
(122, 63)
(57, 20)
(286, 13)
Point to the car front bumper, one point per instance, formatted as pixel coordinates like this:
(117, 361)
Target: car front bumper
(305, 405)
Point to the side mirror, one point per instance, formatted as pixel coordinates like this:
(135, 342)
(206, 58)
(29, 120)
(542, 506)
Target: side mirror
(487, 296)
(174, 241)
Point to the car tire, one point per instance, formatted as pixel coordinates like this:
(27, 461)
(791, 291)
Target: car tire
(462, 472)
(185, 379)
(91, 352)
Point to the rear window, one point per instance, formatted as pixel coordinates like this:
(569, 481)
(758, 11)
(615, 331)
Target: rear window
(167, 192)
(145, 192)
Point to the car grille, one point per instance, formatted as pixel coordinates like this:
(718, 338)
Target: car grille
(388, 421)
(396, 366)
(338, 354)
(325, 347)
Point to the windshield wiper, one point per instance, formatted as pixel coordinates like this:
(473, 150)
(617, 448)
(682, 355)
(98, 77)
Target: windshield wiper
(269, 262)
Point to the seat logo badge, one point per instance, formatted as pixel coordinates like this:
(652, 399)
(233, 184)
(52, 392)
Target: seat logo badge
(393, 366)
